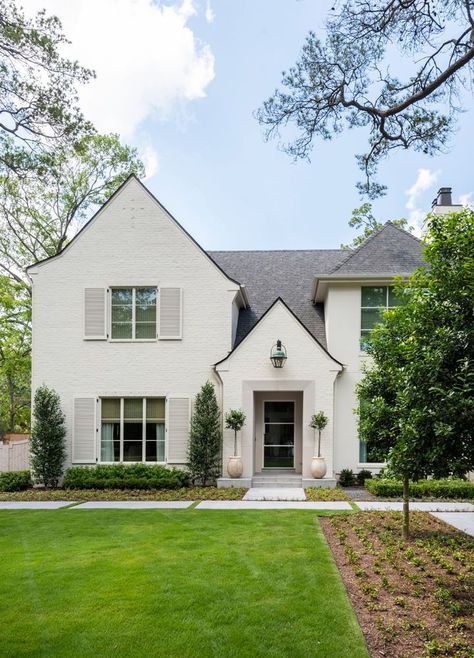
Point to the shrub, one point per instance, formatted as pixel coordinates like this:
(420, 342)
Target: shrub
(15, 480)
(123, 476)
(423, 488)
(363, 475)
(346, 478)
(205, 438)
(47, 444)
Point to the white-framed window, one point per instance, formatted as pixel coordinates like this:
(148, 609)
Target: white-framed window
(374, 301)
(132, 429)
(133, 313)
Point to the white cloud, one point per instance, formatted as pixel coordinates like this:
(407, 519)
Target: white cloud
(150, 159)
(210, 15)
(148, 60)
(466, 199)
(425, 180)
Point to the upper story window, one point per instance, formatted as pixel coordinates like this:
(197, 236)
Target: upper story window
(374, 301)
(133, 313)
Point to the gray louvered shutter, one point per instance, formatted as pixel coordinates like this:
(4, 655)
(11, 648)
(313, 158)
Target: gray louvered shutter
(95, 313)
(178, 430)
(84, 431)
(171, 311)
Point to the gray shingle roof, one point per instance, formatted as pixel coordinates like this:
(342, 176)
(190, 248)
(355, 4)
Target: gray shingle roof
(286, 274)
(391, 250)
(268, 275)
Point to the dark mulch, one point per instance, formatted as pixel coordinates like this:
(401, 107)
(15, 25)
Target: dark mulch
(412, 598)
(358, 493)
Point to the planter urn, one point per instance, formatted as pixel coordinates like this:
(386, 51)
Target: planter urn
(235, 468)
(318, 467)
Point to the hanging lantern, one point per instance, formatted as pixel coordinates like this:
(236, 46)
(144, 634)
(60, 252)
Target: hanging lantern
(278, 355)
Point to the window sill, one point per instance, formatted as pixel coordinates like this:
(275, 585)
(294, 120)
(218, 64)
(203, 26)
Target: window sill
(371, 464)
(132, 463)
(133, 340)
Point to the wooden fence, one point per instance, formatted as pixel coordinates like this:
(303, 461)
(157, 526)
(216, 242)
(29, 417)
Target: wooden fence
(14, 456)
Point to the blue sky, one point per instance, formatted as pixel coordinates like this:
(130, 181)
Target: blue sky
(180, 80)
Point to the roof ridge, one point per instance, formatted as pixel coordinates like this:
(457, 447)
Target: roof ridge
(269, 251)
(355, 251)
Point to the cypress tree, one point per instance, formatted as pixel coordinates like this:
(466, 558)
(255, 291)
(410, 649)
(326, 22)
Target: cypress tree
(47, 446)
(205, 437)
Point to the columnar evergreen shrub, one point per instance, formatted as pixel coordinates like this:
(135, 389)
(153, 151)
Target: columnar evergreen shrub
(205, 438)
(47, 443)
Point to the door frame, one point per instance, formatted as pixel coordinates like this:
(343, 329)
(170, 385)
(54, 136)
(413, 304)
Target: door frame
(288, 468)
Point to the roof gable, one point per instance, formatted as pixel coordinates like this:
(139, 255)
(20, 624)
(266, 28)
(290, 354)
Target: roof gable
(390, 250)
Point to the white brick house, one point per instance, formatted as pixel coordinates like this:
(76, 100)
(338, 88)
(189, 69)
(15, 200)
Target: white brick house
(133, 316)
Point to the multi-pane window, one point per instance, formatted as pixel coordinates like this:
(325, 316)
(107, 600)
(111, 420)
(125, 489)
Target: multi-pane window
(133, 312)
(374, 301)
(133, 430)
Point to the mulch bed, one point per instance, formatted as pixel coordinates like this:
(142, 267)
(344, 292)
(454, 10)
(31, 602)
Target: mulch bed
(413, 598)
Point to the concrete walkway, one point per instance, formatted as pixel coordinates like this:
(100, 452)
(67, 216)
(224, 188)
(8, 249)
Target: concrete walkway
(416, 507)
(460, 520)
(136, 504)
(277, 493)
(275, 504)
(36, 504)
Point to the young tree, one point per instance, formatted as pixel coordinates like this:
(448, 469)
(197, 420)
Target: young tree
(38, 100)
(47, 446)
(417, 396)
(205, 437)
(235, 420)
(347, 80)
(319, 421)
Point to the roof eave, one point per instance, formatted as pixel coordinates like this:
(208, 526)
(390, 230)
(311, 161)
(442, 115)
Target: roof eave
(320, 283)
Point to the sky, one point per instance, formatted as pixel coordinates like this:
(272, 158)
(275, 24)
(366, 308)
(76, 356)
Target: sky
(181, 79)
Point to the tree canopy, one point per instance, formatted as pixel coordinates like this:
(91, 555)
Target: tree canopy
(396, 67)
(38, 99)
(417, 395)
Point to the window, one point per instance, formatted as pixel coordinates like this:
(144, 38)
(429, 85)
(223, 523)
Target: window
(374, 301)
(133, 430)
(133, 313)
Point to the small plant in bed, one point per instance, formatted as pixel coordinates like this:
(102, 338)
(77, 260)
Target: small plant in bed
(183, 493)
(121, 476)
(316, 494)
(15, 480)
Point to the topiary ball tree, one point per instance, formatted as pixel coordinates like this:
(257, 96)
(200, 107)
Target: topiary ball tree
(235, 420)
(47, 444)
(318, 422)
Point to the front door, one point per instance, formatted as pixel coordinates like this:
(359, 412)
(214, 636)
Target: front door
(279, 434)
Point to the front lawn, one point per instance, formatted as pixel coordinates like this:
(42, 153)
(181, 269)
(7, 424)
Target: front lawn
(179, 584)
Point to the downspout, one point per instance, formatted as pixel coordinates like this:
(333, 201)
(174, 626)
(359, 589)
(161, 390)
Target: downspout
(221, 404)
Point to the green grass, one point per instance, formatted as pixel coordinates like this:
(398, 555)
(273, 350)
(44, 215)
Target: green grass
(171, 583)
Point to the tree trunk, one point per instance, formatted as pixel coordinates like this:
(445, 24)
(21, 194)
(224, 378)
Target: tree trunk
(235, 443)
(406, 509)
(319, 443)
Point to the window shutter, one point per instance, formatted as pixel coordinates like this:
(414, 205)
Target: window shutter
(178, 430)
(171, 312)
(95, 313)
(84, 432)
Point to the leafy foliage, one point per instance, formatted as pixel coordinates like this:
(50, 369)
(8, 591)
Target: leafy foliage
(346, 81)
(417, 400)
(363, 475)
(363, 218)
(235, 420)
(38, 99)
(15, 480)
(347, 478)
(318, 422)
(444, 488)
(15, 337)
(47, 445)
(124, 476)
(205, 437)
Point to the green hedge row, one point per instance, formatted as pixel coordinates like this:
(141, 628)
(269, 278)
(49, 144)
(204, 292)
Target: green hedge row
(15, 480)
(121, 476)
(422, 489)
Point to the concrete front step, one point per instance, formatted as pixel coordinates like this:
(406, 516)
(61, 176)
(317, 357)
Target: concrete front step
(272, 482)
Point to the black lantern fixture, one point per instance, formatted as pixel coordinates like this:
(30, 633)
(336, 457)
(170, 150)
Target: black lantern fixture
(278, 355)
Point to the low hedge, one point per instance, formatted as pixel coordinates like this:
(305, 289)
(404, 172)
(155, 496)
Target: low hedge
(121, 476)
(422, 489)
(15, 480)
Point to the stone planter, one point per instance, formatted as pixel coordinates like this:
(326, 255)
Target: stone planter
(235, 468)
(318, 467)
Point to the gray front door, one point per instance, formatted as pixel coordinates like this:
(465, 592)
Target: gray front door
(279, 434)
